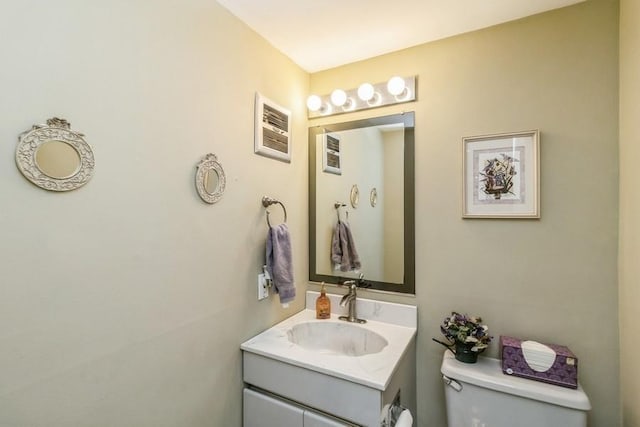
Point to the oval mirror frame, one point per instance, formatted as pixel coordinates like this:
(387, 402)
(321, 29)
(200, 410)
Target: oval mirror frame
(207, 165)
(354, 196)
(373, 197)
(56, 130)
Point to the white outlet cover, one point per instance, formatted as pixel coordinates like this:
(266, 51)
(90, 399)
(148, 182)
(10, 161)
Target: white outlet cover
(263, 290)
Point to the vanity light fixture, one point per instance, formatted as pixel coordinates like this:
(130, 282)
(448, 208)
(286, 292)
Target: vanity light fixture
(317, 105)
(368, 94)
(395, 85)
(339, 98)
(314, 103)
(395, 91)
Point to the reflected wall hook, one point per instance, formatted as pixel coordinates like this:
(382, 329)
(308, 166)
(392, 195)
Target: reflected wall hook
(337, 206)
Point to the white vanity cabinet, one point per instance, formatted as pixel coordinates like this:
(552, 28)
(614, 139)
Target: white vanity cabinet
(312, 419)
(327, 379)
(356, 404)
(262, 410)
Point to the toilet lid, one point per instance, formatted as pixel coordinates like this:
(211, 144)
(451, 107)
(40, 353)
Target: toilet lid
(487, 373)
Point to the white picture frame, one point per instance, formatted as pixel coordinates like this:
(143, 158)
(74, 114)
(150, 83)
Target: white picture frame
(272, 129)
(331, 154)
(501, 175)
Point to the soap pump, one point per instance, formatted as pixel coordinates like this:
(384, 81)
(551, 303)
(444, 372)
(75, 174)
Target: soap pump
(323, 305)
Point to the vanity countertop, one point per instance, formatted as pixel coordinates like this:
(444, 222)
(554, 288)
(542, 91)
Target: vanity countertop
(372, 370)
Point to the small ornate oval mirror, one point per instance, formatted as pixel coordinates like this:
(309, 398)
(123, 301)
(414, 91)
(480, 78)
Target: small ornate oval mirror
(57, 159)
(373, 197)
(354, 196)
(210, 179)
(54, 157)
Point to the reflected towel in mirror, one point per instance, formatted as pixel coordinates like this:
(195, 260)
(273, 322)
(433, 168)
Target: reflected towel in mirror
(280, 263)
(343, 249)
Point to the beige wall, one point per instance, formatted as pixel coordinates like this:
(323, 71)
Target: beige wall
(629, 210)
(124, 303)
(553, 279)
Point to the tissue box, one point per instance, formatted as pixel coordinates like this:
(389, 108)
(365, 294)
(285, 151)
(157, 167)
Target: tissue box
(540, 364)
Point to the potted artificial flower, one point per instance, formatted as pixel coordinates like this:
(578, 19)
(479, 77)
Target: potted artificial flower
(467, 336)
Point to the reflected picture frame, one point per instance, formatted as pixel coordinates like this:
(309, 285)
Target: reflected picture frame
(331, 154)
(501, 175)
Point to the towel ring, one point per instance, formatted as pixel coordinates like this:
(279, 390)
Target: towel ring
(268, 201)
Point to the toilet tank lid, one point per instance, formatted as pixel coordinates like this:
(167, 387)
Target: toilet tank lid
(488, 374)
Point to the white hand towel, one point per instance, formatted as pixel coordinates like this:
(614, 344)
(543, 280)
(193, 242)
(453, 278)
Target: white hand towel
(405, 419)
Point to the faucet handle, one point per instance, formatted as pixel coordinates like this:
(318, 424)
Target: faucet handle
(361, 283)
(351, 283)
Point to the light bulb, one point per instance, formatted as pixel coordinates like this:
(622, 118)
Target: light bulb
(338, 97)
(349, 105)
(314, 103)
(396, 86)
(326, 109)
(366, 91)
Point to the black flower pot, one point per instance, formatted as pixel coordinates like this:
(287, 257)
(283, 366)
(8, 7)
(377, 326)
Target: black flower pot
(464, 354)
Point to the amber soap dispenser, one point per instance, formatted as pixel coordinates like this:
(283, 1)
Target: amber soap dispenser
(323, 305)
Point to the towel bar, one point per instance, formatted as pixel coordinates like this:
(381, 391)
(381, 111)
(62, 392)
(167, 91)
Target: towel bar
(268, 201)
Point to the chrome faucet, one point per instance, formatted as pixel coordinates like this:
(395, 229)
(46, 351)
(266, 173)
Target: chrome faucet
(350, 299)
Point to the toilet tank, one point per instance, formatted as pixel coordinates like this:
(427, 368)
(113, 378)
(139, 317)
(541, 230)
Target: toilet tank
(480, 395)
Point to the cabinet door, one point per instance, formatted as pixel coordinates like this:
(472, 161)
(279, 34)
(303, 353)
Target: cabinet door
(260, 410)
(313, 419)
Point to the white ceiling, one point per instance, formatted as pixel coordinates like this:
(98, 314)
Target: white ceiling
(322, 34)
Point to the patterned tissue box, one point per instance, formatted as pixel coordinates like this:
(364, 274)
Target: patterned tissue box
(540, 364)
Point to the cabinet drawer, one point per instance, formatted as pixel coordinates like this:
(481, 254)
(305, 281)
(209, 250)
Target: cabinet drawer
(260, 410)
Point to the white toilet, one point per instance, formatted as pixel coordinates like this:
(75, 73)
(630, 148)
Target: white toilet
(480, 395)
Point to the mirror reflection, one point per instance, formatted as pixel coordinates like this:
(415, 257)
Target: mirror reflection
(211, 180)
(57, 159)
(375, 154)
(355, 193)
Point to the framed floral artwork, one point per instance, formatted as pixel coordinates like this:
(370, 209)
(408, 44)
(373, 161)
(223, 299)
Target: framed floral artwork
(501, 175)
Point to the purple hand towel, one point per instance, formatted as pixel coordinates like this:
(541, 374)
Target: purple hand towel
(280, 263)
(350, 257)
(336, 246)
(343, 248)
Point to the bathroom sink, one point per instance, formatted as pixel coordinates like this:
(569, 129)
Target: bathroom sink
(350, 371)
(365, 354)
(339, 338)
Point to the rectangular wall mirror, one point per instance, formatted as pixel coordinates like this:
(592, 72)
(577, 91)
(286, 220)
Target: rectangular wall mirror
(362, 172)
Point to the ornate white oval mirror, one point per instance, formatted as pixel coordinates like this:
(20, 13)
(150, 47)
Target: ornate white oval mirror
(54, 157)
(373, 197)
(210, 179)
(354, 196)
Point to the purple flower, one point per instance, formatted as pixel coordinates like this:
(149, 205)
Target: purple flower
(462, 328)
